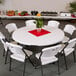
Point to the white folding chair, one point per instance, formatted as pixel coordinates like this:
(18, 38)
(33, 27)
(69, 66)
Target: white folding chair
(2, 35)
(18, 53)
(31, 23)
(69, 48)
(11, 27)
(5, 53)
(3, 41)
(68, 29)
(53, 23)
(48, 55)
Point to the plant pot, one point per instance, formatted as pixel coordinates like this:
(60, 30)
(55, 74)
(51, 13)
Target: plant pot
(39, 30)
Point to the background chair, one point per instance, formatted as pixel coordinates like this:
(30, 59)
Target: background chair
(18, 53)
(70, 30)
(31, 23)
(11, 27)
(48, 55)
(69, 48)
(53, 23)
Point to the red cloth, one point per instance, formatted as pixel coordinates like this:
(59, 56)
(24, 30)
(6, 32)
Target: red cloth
(42, 32)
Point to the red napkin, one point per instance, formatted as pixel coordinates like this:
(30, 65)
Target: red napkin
(42, 32)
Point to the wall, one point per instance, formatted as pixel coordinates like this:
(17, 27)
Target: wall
(6, 5)
(45, 5)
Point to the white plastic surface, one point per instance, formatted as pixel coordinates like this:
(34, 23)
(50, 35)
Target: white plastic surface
(24, 37)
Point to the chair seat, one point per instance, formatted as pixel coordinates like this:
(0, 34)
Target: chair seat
(19, 51)
(47, 60)
(13, 42)
(29, 53)
(20, 57)
(65, 39)
(68, 51)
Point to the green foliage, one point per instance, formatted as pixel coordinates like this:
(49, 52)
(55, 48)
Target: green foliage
(73, 6)
(39, 23)
(23, 12)
(0, 1)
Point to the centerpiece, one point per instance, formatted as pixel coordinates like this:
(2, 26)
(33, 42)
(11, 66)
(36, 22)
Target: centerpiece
(39, 24)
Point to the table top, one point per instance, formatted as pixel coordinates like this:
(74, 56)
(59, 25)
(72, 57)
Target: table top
(22, 36)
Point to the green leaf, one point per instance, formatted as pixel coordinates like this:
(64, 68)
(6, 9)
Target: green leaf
(39, 23)
(73, 6)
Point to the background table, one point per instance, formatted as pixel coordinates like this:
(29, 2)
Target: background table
(35, 17)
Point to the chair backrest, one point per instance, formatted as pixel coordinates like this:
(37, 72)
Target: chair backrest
(14, 48)
(11, 27)
(51, 51)
(53, 23)
(3, 41)
(71, 43)
(69, 29)
(2, 36)
(31, 23)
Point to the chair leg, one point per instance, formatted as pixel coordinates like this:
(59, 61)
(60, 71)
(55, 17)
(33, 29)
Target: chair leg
(10, 64)
(6, 57)
(58, 68)
(4, 52)
(65, 62)
(58, 65)
(74, 56)
(41, 70)
(24, 67)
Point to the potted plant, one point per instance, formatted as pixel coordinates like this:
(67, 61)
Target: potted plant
(39, 22)
(0, 1)
(73, 7)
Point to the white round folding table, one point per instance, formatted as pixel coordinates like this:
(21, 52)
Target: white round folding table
(23, 36)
